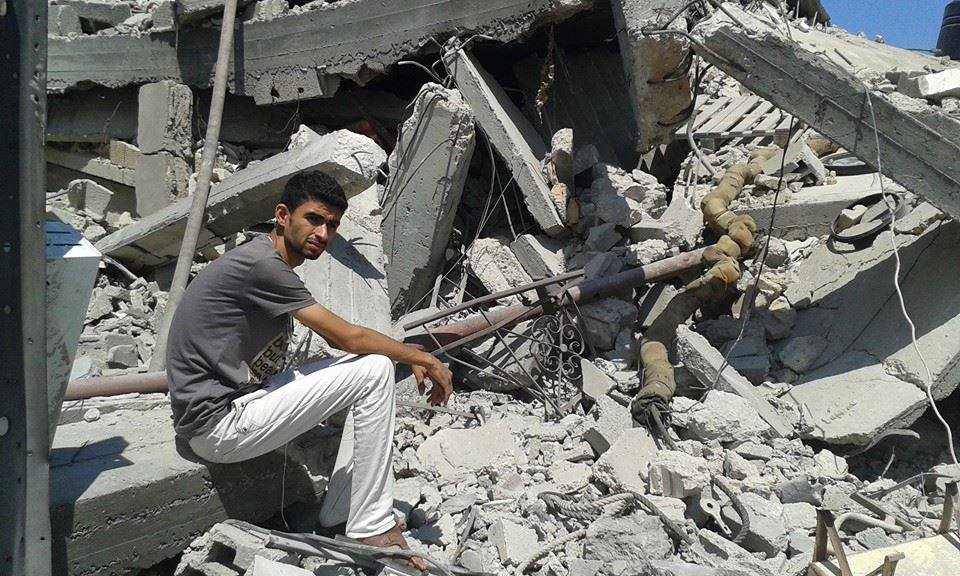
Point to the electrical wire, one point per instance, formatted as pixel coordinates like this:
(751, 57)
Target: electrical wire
(928, 384)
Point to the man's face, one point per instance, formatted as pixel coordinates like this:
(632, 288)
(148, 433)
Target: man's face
(310, 228)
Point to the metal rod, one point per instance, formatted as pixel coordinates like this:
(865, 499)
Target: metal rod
(459, 333)
(198, 208)
(492, 297)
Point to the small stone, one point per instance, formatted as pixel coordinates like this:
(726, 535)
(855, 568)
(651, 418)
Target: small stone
(581, 567)
(800, 490)
(850, 216)
(829, 465)
(596, 382)
(569, 476)
(754, 451)
(800, 353)
(91, 415)
(263, 567)
(739, 468)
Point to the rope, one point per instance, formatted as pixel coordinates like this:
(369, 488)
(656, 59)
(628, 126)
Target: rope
(548, 548)
(586, 511)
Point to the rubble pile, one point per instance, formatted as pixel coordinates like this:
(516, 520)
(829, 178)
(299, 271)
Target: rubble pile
(689, 425)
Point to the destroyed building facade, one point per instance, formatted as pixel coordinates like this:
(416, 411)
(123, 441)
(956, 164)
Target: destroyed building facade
(693, 264)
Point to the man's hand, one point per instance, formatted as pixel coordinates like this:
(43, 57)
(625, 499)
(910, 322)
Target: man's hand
(440, 375)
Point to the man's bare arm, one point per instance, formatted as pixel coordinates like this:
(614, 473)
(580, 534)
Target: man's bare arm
(359, 340)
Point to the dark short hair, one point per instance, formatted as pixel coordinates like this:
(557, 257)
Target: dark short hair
(313, 185)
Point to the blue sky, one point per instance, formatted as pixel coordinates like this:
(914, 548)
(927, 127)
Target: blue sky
(903, 23)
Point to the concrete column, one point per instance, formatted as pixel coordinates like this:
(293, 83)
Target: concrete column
(164, 135)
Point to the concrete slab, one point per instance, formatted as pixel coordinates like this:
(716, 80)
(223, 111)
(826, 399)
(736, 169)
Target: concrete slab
(349, 278)
(101, 13)
(428, 168)
(820, 78)
(248, 197)
(704, 361)
(123, 499)
(647, 61)
(356, 40)
(511, 135)
(812, 210)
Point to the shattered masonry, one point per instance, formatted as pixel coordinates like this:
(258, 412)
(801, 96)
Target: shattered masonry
(676, 382)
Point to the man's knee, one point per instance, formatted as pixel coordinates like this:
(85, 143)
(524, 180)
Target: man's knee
(381, 366)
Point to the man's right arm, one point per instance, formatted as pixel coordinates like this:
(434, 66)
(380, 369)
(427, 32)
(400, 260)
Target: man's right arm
(359, 340)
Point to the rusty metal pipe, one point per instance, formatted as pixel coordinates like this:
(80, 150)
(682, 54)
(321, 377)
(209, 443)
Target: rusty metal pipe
(145, 383)
(475, 327)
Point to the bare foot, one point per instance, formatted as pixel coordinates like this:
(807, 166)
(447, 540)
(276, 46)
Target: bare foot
(393, 539)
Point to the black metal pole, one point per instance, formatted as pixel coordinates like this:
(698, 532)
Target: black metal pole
(24, 435)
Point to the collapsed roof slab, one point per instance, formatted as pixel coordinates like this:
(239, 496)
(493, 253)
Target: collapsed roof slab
(356, 39)
(513, 137)
(868, 368)
(247, 197)
(819, 78)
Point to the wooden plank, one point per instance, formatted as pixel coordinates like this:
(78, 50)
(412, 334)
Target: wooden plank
(739, 108)
(759, 113)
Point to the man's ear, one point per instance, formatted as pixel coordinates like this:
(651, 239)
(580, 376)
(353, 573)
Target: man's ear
(281, 213)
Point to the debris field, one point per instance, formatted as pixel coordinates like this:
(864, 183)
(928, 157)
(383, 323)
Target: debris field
(693, 265)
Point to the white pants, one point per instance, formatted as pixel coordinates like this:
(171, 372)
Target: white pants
(360, 491)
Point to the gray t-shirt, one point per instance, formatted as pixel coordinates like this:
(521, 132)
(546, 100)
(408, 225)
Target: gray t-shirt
(230, 332)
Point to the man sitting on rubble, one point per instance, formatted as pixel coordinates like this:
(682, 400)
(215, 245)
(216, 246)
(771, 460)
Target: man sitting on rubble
(230, 395)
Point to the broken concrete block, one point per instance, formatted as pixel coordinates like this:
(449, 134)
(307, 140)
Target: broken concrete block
(428, 168)
(161, 179)
(62, 21)
(123, 356)
(634, 539)
(602, 265)
(799, 516)
(264, 567)
(677, 474)
(93, 199)
(766, 533)
(934, 86)
(800, 354)
(569, 477)
(739, 468)
(540, 256)
(804, 76)
(596, 382)
(721, 416)
(99, 13)
(262, 10)
(646, 252)
(453, 452)
(606, 422)
(620, 199)
(495, 265)
(850, 216)
(164, 118)
(123, 154)
(602, 238)
(624, 465)
(561, 156)
(514, 542)
(704, 362)
(753, 368)
(603, 320)
(658, 106)
(249, 196)
(797, 158)
(829, 465)
(510, 134)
